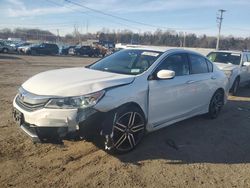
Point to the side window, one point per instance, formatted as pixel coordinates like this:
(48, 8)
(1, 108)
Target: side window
(198, 64)
(177, 63)
(210, 66)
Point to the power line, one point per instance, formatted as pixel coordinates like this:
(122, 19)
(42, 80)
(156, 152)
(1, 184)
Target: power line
(219, 19)
(86, 13)
(129, 20)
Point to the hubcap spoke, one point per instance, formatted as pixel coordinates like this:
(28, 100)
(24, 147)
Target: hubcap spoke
(131, 119)
(131, 140)
(120, 141)
(120, 127)
(137, 128)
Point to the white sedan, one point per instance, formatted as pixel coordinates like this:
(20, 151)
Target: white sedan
(121, 96)
(236, 66)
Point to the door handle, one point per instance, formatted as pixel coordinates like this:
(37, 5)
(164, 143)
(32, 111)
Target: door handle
(213, 77)
(190, 81)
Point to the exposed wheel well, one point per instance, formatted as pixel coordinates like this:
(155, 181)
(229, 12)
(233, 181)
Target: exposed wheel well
(134, 104)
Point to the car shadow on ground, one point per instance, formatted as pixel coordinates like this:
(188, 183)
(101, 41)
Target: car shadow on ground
(9, 57)
(225, 140)
(201, 140)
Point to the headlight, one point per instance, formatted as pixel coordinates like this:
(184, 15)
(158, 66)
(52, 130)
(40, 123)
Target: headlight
(84, 101)
(228, 73)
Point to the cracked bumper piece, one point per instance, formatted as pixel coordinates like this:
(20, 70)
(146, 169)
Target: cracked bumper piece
(50, 123)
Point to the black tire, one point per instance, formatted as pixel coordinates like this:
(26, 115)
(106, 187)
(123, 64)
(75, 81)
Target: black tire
(5, 50)
(235, 86)
(128, 129)
(216, 104)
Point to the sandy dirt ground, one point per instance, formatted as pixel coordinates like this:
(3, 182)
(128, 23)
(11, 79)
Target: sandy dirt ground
(197, 152)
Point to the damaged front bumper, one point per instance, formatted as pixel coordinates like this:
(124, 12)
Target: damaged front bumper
(51, 123)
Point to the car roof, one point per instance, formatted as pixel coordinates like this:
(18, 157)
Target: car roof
(228, 51)
(161, 49)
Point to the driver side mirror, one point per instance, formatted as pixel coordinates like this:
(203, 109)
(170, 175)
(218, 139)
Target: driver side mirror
(165, 74)
(246, 64)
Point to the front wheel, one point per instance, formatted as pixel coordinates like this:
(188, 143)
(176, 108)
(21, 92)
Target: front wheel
(128, 129)
(216, 104)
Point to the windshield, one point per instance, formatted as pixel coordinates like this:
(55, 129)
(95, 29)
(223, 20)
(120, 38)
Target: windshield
(127, 61)
(225, 57)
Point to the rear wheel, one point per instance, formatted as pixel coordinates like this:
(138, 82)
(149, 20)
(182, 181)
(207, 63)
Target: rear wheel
(235, 87)
(216, 104)
(128, 129)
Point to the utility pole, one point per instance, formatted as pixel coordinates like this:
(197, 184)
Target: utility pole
(184, 39)
(219, 20)
(87, 27)
(58, 36)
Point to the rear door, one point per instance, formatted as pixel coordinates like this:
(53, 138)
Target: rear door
(203, 81)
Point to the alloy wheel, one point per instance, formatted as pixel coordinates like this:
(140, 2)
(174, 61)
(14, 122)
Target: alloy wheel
(216, 104)
(128, 131)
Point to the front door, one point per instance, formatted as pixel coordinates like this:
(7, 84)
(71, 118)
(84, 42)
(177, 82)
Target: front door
(187, 94)
(172, 98)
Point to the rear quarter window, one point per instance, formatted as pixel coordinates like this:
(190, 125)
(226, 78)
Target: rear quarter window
(209, 66)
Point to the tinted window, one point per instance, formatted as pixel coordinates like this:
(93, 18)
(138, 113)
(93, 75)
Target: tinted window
(210, 66)
(198, 64)
(177, 63)
(225, 57)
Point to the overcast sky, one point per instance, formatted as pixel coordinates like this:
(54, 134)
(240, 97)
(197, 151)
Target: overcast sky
(192, 16)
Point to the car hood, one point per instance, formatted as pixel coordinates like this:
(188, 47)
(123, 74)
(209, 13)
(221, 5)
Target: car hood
(224, 66)
(74, 82)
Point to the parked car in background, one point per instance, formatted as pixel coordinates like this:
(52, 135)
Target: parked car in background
(236, 66)
(5, 48)
(43, 49)
(25, 49)
(22, 44)
(65, 49)
(125, 94)
(71, 50)
(84, 50)
(102, 51)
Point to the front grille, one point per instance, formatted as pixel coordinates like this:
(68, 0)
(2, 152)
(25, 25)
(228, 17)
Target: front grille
(28, 107)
